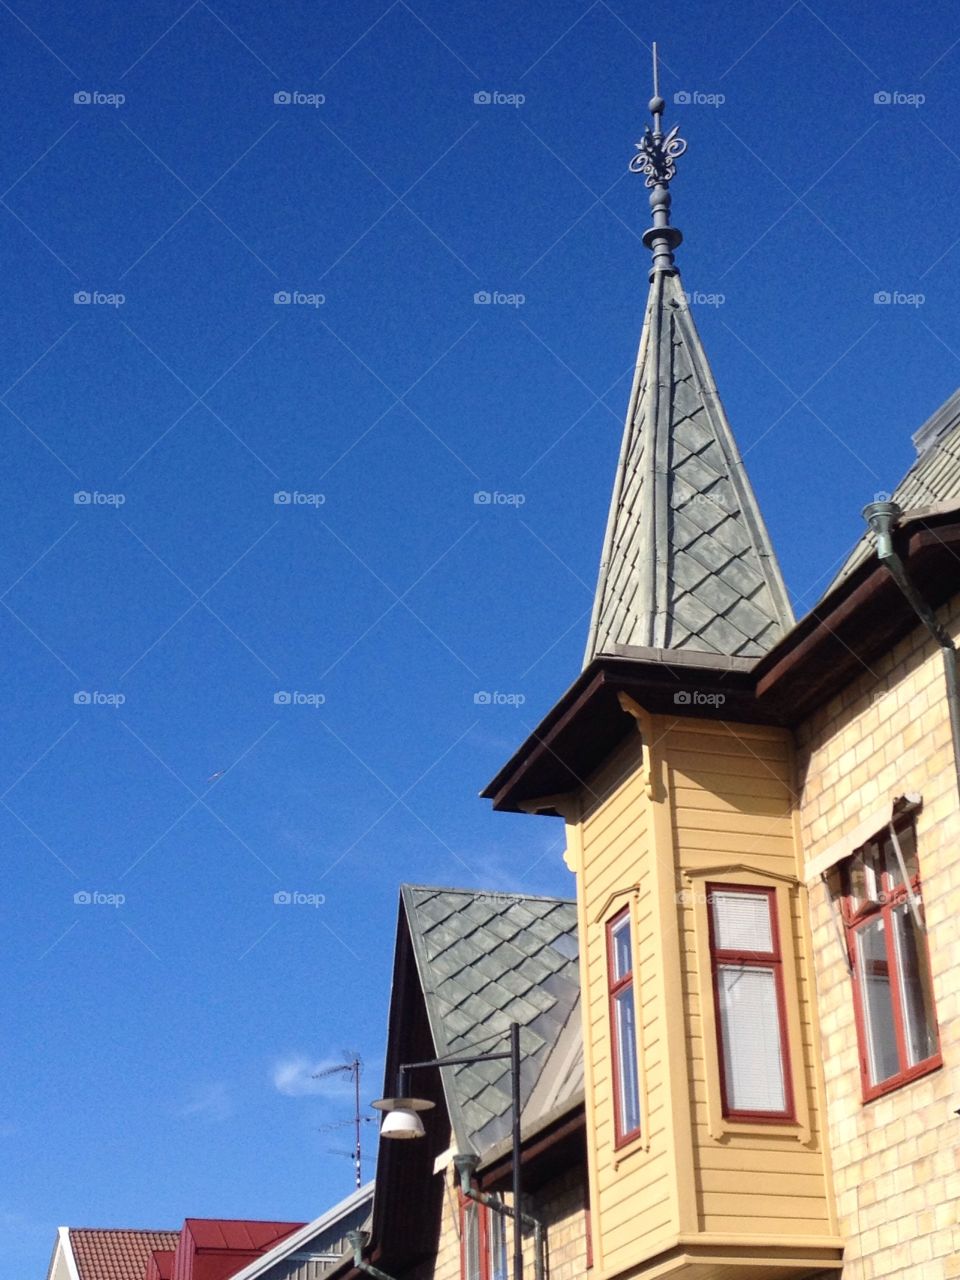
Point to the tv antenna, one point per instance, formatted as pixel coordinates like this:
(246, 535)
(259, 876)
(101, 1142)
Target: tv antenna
(352, 1068)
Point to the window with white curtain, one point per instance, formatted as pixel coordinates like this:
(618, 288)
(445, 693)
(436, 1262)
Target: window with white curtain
(748, 992)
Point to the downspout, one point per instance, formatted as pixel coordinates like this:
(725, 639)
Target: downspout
(882, 518)
(357, 1240)
(466, 1167)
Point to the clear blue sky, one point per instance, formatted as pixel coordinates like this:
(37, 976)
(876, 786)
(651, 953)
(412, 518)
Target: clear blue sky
(157, 1054)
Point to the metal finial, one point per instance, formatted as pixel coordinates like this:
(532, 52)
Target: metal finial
(656, 159)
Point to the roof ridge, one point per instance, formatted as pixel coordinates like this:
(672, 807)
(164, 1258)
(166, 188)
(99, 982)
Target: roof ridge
(490, 893)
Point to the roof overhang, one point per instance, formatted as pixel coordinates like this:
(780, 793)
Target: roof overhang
(859, 619)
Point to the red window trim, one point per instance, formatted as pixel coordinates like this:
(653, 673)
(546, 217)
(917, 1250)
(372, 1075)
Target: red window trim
(482, 1228)
(614, 989)
(854, 920)
(768, 960)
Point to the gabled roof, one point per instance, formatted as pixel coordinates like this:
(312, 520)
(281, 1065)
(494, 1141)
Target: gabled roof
(933, 479)
(324, 1235)
(241, 1234)
(687, 562)
(116, 1254)
(485, 960)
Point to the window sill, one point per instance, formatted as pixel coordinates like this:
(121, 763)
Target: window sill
(902, 1082)
(629, 1147)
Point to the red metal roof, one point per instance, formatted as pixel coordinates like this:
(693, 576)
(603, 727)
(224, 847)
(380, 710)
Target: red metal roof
(160, 1266)
(107, 1254)
(217, 1248)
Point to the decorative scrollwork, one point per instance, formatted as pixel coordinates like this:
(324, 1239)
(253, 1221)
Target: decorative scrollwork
(657, 156)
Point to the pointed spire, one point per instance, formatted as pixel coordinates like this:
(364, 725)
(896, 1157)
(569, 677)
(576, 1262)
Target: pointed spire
(687, 561)
(657, 160)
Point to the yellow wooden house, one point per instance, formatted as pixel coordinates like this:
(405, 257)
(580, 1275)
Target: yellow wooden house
(703, 1075)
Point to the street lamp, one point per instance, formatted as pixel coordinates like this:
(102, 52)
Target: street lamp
(402, 1118)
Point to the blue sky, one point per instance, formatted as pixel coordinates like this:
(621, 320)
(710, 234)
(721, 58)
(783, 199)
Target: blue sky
(158, 1051)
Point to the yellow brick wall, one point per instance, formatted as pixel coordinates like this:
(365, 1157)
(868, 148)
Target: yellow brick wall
(896, 1160)
(560, 1207)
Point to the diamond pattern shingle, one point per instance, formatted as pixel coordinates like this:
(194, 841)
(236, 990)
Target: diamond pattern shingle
(486, 960)
(687, 562)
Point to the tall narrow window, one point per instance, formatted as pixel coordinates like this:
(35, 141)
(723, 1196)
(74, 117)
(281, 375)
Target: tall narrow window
(887, 943)
(748, 992)
(483, 1242)
(623, 1028)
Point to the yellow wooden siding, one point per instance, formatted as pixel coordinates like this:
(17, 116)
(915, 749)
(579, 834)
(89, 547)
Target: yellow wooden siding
(732, 802)
(719, 796)
(634, 1191)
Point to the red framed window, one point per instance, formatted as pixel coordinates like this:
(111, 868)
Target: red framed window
(483, 1242)
(890, 962)
(747, 968)
(623, 1028)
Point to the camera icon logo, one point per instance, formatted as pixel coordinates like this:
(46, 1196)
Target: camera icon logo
(483, 98)
(882, 99)
(82, 98)
(883, 298)
(282, 898)
(81, 698)
(682, 98)
(483, 298)
(282, 298)
(282, 98)
(82, 298)
(482, 498)
(282, 698)
(81, 498)
(83, 898)
(281, 498)
(682, 698)
(482, 699)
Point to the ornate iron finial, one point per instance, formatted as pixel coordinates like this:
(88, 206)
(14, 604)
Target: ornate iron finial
(656, 159)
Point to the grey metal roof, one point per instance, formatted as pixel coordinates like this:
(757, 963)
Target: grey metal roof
(486, 960)
(687, 561)
(933, 478)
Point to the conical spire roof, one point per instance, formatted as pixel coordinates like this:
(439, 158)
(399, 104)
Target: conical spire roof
(687, 561)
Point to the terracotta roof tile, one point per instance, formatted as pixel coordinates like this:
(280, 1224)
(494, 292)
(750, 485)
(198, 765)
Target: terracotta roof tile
(108, 1254)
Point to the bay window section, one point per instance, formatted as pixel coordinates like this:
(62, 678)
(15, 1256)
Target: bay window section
(748, 994)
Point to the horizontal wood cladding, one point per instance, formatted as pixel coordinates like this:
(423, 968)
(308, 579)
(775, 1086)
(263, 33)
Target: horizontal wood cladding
(653, 826)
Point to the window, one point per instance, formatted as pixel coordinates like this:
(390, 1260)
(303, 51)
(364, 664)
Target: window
(483, 1242)
(623, 1028)
(748, 995)
(889, 959)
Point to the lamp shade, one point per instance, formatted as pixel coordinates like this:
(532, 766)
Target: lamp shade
(402, 1123)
